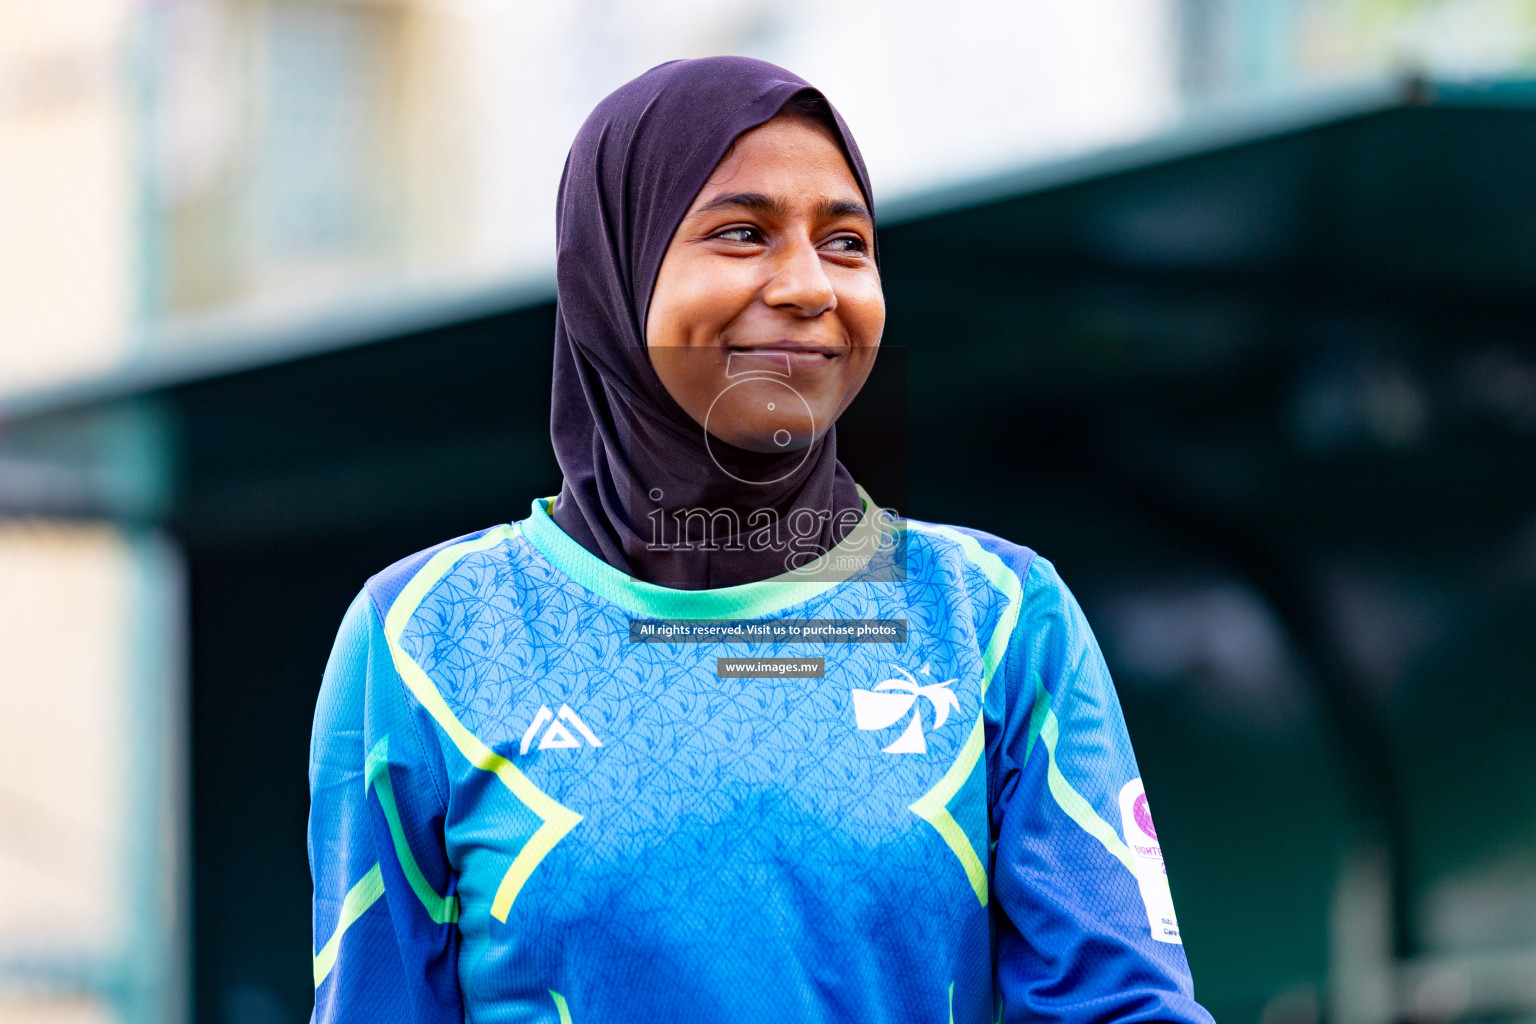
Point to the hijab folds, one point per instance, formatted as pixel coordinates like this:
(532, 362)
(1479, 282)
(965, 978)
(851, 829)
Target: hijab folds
(631, 457)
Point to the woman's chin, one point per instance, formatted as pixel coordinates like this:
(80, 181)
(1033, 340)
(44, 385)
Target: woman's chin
(771, 439)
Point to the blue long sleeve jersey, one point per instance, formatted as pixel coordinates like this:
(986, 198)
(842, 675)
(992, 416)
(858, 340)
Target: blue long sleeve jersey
(518, 814)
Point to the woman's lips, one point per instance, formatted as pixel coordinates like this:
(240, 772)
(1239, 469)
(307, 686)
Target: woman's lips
(782, 359)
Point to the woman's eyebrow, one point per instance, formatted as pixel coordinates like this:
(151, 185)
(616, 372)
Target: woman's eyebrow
(843, 208)
(756, 202)
(770, 206)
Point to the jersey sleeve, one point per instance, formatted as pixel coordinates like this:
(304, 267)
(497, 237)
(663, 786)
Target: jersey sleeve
(1085, 925)
(385, 909)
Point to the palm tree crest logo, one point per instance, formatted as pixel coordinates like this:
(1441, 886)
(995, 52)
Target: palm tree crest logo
(891, 699)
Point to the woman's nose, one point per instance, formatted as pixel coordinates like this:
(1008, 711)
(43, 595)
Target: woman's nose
(800, 283)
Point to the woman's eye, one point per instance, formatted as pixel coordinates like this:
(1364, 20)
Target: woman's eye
(848, 243)
(748, 235)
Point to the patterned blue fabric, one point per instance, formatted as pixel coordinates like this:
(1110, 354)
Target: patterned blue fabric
(747, 849)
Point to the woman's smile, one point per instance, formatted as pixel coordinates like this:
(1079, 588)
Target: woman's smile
(786, 357)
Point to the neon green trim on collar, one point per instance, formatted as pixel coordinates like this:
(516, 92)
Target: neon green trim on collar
(744, 601)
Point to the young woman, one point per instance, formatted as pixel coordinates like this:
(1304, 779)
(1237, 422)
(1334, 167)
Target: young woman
(536, 799)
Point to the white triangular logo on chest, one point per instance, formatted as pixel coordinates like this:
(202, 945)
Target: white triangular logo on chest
(555, 734)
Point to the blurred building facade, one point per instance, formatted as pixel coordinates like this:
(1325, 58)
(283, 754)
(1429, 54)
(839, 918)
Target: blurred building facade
(170, 158)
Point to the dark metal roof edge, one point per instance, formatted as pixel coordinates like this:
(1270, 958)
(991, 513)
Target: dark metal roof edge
(190, 349)
(1203, 131)
(1487, 93)
(1214, 128)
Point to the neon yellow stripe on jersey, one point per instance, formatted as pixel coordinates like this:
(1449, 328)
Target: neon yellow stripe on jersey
(412, 594)
(558, 820)
(441, 909)
(1070, 800)
(1037, 713)
(933, 806)
(560, 1007)
(359, 898)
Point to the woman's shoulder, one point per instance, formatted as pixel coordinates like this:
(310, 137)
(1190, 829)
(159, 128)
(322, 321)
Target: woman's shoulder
(996, 557)
(1025, 577)
(412, 578)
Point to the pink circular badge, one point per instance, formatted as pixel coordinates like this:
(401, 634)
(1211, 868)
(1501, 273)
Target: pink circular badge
(1143, 816)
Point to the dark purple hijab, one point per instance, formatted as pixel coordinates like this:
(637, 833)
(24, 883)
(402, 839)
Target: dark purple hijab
(632, 458)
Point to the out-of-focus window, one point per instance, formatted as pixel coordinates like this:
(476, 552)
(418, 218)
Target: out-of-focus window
(89, 794)
(273, 132)
(318, 187)
(1235, 49)
(67, 202)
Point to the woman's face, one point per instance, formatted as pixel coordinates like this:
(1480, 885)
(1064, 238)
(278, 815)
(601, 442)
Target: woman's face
(767, 310)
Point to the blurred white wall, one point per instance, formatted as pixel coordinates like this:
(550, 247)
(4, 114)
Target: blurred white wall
(933, 92)
(307, 147)
(279, 154)
(92, 743)
(64, 594)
